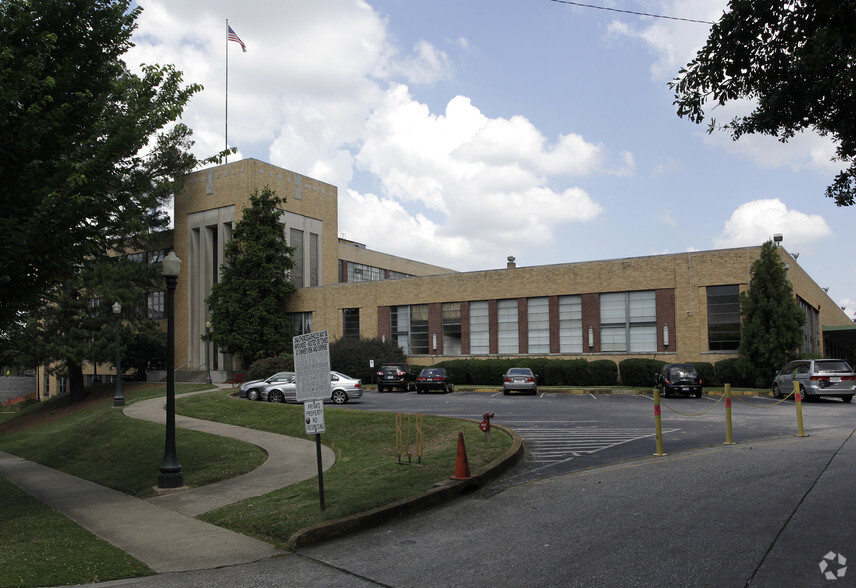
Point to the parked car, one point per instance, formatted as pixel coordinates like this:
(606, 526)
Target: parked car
(679, 378)
(394, 375)
(519, 380)
(434, 379)
(253, 389)
(342, 389)
(816, 378)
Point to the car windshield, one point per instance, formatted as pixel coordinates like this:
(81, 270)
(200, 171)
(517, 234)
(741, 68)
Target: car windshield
(836, 367)
(432, 373)
(682, 371)
(519, 372)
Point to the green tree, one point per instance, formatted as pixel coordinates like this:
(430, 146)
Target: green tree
(90, 150)
(770, 330)
(247, 304)
(76, 325)
(795, 60)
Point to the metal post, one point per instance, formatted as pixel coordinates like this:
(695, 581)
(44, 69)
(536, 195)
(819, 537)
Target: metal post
(798, 403)
(118, 399)
(728, 437)
(320, 469)
(658, 427)
(170, 470)
(207, 355)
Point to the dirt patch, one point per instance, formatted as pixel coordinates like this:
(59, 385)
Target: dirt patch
(57, 408)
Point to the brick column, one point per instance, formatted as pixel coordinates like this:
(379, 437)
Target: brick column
(665, 301)
(591, 319)
(522, 326)
(384, 328)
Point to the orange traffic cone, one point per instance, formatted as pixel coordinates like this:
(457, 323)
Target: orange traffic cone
(462, 466)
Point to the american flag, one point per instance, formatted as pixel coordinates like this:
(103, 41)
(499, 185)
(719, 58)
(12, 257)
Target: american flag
(234, 37)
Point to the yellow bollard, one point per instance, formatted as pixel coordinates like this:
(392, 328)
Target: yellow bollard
(657, 425)
(728, 437)
(798, 403)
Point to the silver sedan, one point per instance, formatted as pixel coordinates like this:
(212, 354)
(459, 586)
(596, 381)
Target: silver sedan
(519, 380)
(342, 389)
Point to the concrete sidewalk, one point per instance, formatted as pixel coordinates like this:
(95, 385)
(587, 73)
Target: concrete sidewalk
(150, 529)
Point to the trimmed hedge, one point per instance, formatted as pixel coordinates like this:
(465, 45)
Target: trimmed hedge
(727, 371)
(550, 372)
(640, 371)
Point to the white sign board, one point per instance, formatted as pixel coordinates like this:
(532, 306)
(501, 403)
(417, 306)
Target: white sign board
(312, 366)
(313, 410)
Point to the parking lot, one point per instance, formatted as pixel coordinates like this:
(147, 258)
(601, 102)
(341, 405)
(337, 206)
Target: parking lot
(565, 432)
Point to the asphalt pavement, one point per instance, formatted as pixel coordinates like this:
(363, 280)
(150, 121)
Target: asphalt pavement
(766, 513)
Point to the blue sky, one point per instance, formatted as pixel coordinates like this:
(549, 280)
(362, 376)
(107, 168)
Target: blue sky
(459, 133)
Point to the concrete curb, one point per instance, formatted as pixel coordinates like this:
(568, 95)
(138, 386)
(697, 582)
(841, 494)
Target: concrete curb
(442, 493)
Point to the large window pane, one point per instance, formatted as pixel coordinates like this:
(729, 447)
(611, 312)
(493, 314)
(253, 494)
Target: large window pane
(570, 324)
(506, 324)
(451, 328)
(538, 319)
(296, 238)
(479, 327)
(723, 317)
(351, 323)
(628, 322)
(419, 329)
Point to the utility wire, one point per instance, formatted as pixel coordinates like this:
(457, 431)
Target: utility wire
(631, 12)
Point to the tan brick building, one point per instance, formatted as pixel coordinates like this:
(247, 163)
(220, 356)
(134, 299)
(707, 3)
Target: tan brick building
(676, 307)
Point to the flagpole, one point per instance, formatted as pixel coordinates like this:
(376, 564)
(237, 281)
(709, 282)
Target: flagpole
(227, 90)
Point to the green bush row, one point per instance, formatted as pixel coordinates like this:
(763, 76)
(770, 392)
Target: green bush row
(353, 357)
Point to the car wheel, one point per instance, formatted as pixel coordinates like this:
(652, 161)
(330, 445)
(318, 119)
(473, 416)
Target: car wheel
(253, 394)
(505, 392)
(847, 398)
(445, 388)
(777, 393)
(276, 396)
(805, 397)
(418, 390)
(380, 388)
(339, 397)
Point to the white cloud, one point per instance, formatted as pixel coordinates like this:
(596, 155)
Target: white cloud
(756, 222)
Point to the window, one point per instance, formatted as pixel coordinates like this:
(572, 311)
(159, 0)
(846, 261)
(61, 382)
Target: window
(723, 318)
(301, 323)
(479, 327)
(538, 318)
(410, 328)
(628, 322)
(154, 305)
(506, 325)
(400, 324)
(419, 329)
(810, 328)
(297, 277)
(313, 259)
(570, 324)
(451, 328)
(351, 323)
(138, 257)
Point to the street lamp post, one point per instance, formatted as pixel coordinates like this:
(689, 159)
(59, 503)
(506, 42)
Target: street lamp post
(207, 357)
(170, 470)
(118, 399)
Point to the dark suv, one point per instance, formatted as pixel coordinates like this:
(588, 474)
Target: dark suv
(679, 378)
(394, 375)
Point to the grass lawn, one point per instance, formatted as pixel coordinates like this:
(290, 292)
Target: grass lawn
(93, 440)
